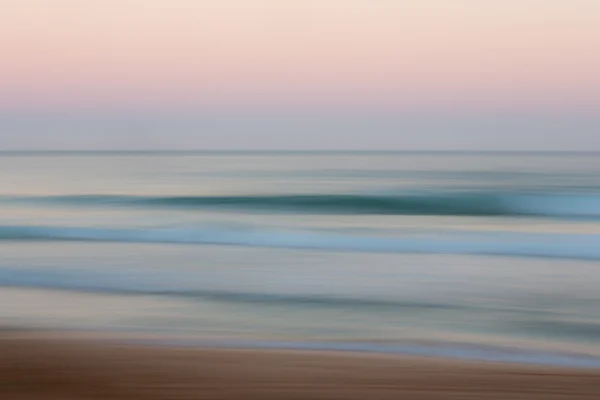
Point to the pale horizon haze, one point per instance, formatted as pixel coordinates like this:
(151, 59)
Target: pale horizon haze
(300, 74)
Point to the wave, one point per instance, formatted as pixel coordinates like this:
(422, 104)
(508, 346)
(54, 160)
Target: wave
(574, 246)
(583, 330)
(156, 284)
(153, 283)
(567, 204)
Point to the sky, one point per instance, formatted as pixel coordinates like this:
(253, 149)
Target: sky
(300, 74)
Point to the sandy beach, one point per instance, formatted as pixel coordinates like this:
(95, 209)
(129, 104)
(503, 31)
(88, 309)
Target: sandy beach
(40, 366)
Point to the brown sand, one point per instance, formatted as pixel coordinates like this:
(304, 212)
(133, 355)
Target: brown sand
(33, 368)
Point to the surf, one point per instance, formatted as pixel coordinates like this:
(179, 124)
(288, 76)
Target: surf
(510, 244)
(459, 203)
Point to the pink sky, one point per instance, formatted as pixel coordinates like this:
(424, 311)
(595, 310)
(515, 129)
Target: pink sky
(297, 54)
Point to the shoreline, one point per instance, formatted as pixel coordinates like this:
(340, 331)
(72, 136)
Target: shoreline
(36, 365)
(515, 353)
(436, 350)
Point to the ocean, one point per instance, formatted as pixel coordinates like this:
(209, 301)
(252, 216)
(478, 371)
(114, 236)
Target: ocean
(474, 255)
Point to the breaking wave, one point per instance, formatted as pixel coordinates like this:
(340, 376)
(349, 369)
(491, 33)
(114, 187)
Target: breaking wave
(567, 204)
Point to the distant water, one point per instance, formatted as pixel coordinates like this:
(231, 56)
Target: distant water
(443, 251)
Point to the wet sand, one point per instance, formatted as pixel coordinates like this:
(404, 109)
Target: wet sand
(38, 366)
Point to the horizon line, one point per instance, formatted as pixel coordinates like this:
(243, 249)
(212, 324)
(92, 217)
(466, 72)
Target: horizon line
(329, 151)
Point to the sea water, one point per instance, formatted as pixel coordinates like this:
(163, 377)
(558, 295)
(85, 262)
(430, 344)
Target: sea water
(472, 254)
